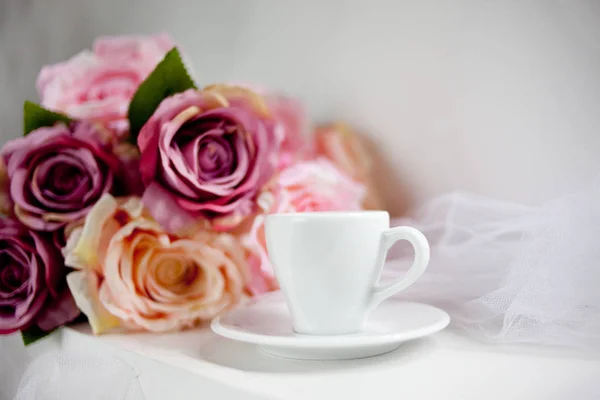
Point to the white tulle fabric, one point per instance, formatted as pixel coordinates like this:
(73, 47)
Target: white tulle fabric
(51, 374)
(70, 376)
(508, 273)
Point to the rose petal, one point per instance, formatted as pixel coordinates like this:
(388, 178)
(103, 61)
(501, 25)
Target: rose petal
(15, 152)
(142, 50)
(84, 286)
(99, 85)
(87, 250)
(12, 323)
(54, 78)
(37, 204)
(167, 212)
(118, 267)
(54, 270)
(47, 197)
(18, 186)
(14, 277)
(182, 177)
(59, 311)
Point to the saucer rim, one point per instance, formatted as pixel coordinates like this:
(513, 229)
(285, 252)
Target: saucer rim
(331, 341)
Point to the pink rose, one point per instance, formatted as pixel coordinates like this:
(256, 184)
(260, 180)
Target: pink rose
(307, 186)
(292, 130)
(57, 173)
(131, 273)
(205, 156)
(99, 85)
(348, 151)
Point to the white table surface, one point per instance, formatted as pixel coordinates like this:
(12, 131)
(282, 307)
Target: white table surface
(199, 364)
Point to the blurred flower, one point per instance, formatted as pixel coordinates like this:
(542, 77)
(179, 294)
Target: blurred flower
(291, 129)
(57, 173)
(315, 185)
(131, 272)
(99, 85)
(32, 281)
(347, 151)
(292, 124)
(205, 155)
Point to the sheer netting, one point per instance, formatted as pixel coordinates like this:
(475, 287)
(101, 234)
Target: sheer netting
(74, 375)
(509, 273)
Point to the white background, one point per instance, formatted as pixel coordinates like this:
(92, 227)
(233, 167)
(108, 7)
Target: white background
(497, 97)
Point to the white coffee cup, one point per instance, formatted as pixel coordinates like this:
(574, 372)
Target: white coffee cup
(328, 266)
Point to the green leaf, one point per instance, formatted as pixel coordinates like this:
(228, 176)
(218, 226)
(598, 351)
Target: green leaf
(33, 334)
(35, 116)
(169, 77)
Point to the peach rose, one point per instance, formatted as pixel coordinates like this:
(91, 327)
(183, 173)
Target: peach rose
(315, 185)
(132, 273)
(338, 143)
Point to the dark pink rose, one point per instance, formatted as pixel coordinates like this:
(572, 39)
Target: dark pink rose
(99, 85)
(205, 155)
(56, 174)
(33, 290)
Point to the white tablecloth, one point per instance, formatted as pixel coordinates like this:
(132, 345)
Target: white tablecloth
(198, 364)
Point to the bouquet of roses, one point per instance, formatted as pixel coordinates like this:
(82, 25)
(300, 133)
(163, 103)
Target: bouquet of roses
(138, 199)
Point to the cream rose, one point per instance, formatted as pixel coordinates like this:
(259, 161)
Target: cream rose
(132, 273)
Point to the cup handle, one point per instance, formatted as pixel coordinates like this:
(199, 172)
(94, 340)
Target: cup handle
(421, 247)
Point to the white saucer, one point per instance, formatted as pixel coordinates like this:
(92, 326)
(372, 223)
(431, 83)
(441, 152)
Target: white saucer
(265, 321)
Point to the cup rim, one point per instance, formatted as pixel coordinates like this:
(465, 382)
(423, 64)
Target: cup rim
(328, 214)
